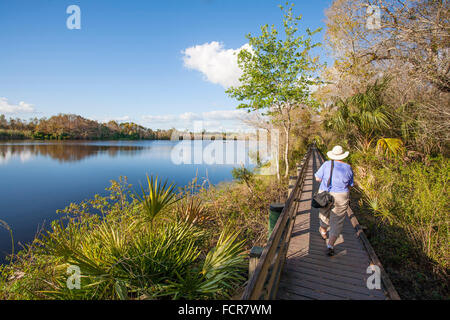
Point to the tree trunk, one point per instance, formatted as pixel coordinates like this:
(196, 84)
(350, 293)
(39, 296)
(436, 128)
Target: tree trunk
(278, 167)
(286, 151)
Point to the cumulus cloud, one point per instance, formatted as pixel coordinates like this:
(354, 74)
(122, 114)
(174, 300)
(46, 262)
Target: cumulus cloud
(9, 108)
(160, 119)
(118, 119)
(217, 64)
(124, 118)
(225, 115)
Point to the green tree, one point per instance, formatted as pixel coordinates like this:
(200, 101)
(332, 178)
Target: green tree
(278, 73)
(362, 117)
(3, 122)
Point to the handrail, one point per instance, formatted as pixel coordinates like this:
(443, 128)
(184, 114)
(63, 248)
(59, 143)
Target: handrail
(263, 284)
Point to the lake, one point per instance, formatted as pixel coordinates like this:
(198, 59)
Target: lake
(37, 178)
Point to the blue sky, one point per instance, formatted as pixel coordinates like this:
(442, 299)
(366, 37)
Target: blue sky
(131, 59)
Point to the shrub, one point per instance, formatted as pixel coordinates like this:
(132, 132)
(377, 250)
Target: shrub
(125, 249)
(413, 196)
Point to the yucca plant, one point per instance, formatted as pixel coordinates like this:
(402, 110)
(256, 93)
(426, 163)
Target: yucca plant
(118, 258)
(159, 197)
(221, 271)
(226, 260)
(116, 261)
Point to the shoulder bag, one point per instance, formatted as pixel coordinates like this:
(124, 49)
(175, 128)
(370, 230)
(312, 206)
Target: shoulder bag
(324, 199)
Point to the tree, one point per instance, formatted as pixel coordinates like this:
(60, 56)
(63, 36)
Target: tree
(3, 122)
(361, 117)
(411, 46)
(277, 74)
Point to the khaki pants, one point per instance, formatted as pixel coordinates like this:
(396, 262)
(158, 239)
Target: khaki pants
(333, 216)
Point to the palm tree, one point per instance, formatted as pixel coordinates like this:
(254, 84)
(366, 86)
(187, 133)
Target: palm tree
(363, 116)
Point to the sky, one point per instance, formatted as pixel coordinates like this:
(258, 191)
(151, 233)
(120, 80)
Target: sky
(161, 64)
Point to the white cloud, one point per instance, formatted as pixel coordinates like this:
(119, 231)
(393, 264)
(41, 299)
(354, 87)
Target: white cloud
(190, 116)
(159, 119)
(24, 156)
(225, 115)
(106, 120)
(217, 64)
(218, 120)
(118, 119)
(9, 108)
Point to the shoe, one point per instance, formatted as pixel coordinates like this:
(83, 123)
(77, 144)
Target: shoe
(330, 252)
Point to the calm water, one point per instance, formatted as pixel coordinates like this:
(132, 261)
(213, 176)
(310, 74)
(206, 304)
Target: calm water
(37, 178)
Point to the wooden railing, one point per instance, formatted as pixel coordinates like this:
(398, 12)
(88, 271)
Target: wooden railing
(264, 279)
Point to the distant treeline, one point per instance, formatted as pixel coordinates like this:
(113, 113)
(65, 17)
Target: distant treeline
(75, 127)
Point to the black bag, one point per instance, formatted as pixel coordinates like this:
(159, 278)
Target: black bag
(324, 199)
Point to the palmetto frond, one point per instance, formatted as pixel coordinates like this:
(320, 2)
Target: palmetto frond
(159, 197)
(225, 261)
(363, 115)
(391, 147)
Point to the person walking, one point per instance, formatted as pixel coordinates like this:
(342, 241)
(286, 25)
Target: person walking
(332, 217)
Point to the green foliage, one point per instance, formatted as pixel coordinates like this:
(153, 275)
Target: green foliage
(361, 117)
(244, 207)
(412, 196)
(159, 197)
(220, 273)
(14, 134)
(242, 174)
(121, 258)
(276, 71)
(8, 228)
(390, 147)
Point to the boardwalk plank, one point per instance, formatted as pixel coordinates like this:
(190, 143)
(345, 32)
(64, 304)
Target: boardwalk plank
(340, 292)
(333, 282)
(309, 293)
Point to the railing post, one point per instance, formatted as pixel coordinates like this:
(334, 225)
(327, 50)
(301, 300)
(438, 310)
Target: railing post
(254, 255)
(292, 181)
(274, 213)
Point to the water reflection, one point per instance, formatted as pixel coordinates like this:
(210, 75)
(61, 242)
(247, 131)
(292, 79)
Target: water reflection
(39, 177)
(64, 151)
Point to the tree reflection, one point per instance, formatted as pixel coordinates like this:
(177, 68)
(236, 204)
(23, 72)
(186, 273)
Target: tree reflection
(64, 152)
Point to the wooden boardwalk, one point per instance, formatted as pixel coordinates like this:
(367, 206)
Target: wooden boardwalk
(308, 273)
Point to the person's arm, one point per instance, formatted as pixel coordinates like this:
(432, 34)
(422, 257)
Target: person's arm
(350, 182)
(319, 174)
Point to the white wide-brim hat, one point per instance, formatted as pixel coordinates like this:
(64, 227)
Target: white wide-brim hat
(337, 153)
